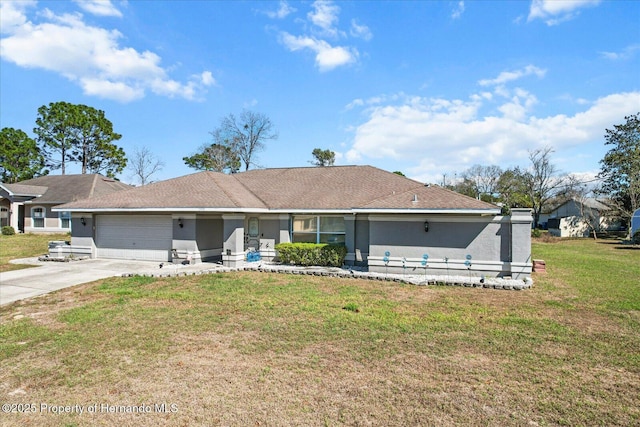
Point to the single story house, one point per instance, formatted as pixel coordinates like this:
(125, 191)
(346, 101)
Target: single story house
(387, 222)
(27, 205)
(578, 217)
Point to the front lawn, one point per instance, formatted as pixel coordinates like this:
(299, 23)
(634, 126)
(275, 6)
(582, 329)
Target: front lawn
(24, 246)
(266, 349)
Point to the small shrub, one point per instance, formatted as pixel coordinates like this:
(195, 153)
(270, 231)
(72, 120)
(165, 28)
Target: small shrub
(536, 232)
(635, 239)
(7, 230)
(311, 254)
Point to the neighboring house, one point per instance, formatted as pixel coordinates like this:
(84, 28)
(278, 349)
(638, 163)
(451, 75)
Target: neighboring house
(579, 218)
(214, 216)
(635, 222)
(27, 205)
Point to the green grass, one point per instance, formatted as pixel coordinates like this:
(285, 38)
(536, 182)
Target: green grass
(602, 272)
(24, 246)
(256, 348)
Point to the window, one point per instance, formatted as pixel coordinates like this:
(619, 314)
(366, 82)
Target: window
(65, 219)
(37, 215)
(318, 229)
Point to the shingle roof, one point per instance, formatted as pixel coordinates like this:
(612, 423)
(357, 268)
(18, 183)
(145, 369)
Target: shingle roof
(319, 188)
(68, 188)
(24, 190)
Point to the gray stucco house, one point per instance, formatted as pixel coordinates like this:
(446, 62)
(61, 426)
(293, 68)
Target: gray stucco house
(27, 205)
(214, 216)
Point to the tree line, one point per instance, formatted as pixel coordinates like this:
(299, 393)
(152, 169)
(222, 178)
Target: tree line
(541, 184)
(69, 133)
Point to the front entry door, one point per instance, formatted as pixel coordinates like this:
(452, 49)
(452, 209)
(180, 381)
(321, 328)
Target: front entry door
(253, 240)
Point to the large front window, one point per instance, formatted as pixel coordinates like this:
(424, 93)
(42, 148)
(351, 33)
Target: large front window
(318, 229)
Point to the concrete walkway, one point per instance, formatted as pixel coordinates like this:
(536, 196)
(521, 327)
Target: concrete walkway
(49, 276)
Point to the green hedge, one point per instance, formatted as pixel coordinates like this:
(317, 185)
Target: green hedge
(311, 254)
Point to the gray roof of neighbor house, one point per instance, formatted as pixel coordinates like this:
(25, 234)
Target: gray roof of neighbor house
(69, 188)
(589, 202)
(23, 190)
(594, 204)
(341, 188)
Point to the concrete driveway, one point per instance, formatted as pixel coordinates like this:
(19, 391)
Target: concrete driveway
(50, 276)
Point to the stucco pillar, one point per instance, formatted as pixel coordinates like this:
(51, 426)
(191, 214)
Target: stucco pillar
(233, 236)
(285, 235)
(350, 238)
(14, 215)
(521, 261)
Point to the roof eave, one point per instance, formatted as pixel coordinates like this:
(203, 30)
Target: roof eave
(287, 211)
(163, 210)
(428, 211)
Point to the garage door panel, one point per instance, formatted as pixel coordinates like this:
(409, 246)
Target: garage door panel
(142, 237)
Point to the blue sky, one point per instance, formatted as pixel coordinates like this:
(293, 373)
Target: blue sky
(423, 87)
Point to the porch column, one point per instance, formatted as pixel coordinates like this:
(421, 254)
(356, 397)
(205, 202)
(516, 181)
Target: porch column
(14, 215)
(233, 236)
(350, 238)
(521, 261)
(285, 236)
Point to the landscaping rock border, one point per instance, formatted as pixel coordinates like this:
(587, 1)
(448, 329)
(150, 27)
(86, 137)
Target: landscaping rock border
(412, 279)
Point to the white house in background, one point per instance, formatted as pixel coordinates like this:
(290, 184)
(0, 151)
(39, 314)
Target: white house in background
(635, 222)
(387, 222)
(579, 217)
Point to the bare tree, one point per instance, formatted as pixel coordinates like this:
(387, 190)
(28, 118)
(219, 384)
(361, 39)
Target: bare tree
(144, 164)
(246, 135)
(543, 181)
(483, 179)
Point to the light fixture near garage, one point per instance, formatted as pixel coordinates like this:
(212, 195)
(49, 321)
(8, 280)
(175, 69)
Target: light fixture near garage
(180, 224)
(426, 226)
(83, 221)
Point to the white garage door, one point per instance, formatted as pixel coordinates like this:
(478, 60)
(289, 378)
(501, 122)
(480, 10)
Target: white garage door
(139, 237)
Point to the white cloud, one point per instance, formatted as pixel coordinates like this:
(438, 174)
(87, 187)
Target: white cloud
(327, 57)
(440, 135)
(90, 56)
(12, 15)
(626, 53)
(99, 7)
(324, 18)
(284, 10)
(554, 12)
(325, 15)
(508, 76)
(360, 31)
(458, 11)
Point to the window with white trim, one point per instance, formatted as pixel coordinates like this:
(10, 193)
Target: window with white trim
(37, 217)
(65, 219)
(318, 229)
